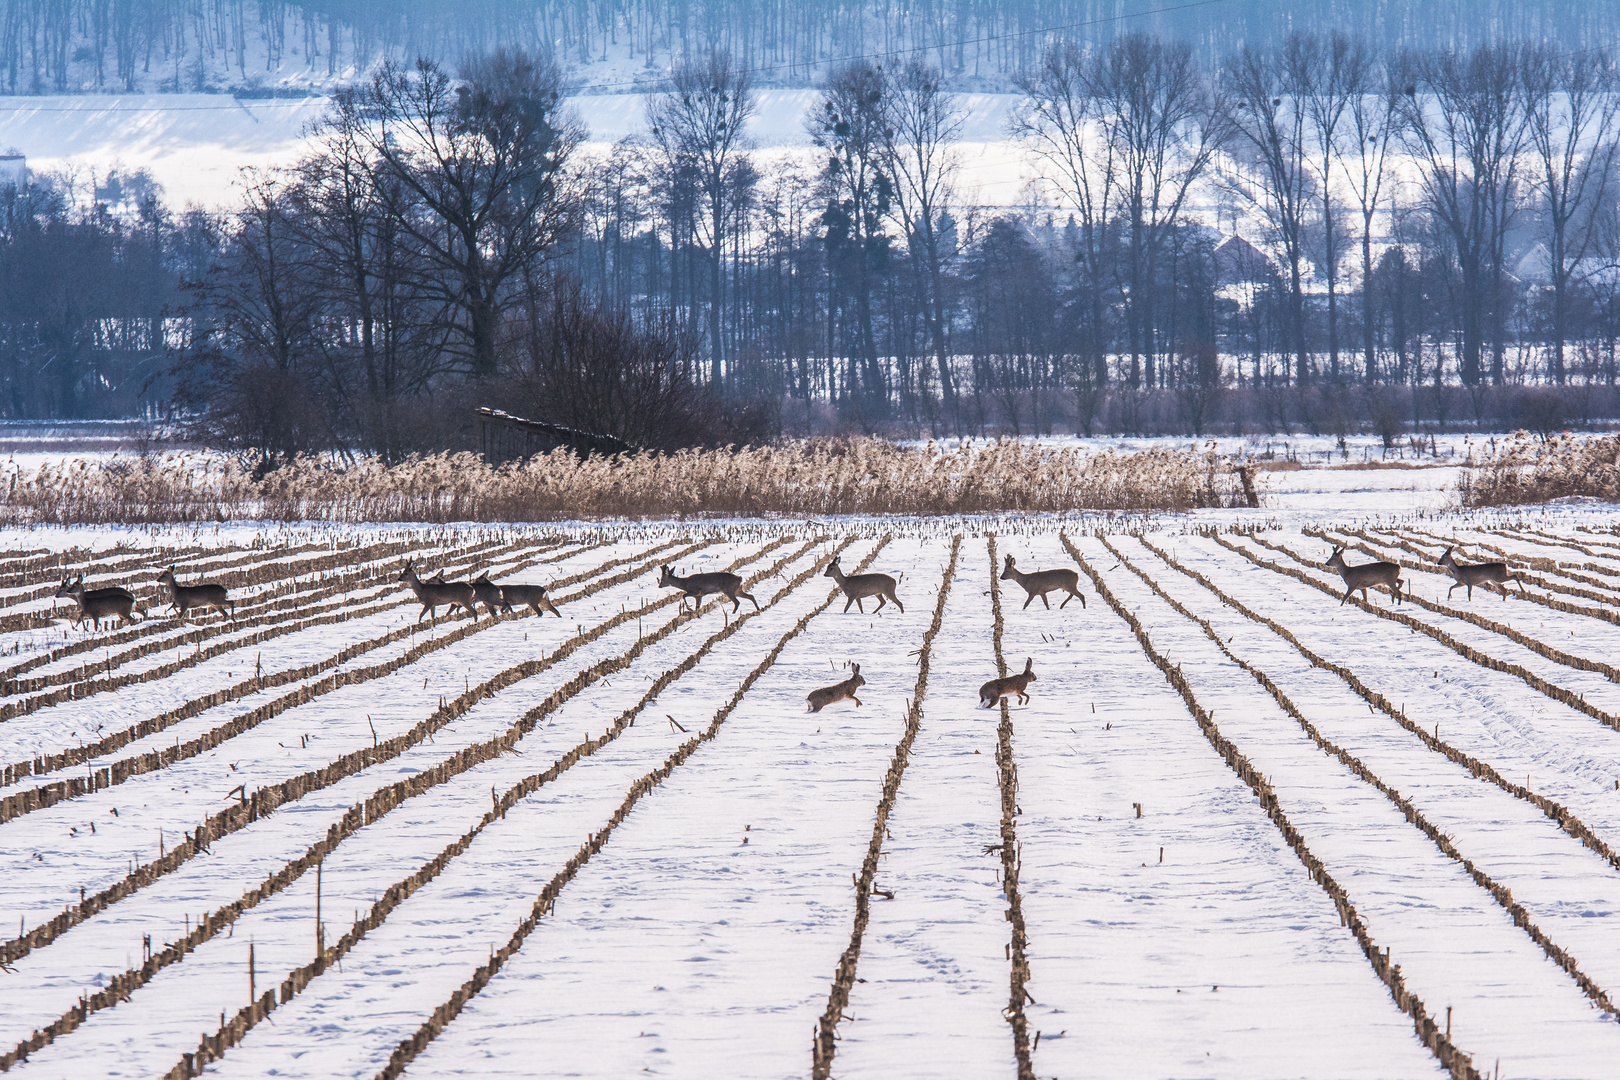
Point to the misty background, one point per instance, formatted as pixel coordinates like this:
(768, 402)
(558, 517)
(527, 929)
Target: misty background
(701, 224)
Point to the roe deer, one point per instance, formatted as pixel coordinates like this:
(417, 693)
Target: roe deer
(996, 689)
(820, 699)
(700, 585)
(1044, 581)
(1471, 574)
(205, 596)
(531, 596)
(859, 586)
(485, 592)
(455, 594)
(98, 604)
(1366, 575)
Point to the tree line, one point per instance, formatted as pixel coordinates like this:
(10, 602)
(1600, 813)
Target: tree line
(270, 46)
(1309, 233)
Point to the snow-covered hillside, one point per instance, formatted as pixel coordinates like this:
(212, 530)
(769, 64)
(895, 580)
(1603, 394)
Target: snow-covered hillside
(195, 145)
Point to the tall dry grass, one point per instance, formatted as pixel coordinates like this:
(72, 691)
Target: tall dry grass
(803, 479)
(1524, 469)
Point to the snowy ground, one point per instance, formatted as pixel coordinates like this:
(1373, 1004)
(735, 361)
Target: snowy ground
(296, 845)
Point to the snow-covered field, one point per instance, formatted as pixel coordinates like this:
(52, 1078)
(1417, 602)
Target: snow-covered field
(1369, 840)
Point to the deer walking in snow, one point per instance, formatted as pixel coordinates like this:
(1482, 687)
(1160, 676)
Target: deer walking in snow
(1361, 578)
(859, 586)
(438, 592)
(202, 595)
(697, 586)
(98, 604)
(1044, 581)
(1471, 574)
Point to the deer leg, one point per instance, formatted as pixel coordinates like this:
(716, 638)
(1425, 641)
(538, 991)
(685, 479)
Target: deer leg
(1045, 602)
(1066, 600)
(848, 602)
(1027, 601)
(1451, 590)
(897, 603)
(1347, 593)
(879, 607)
(751, 600)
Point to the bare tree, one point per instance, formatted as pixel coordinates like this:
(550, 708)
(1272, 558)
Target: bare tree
(1162, 125)
(476, 172)
(1572, 100)
(698, 124)
(1464, 120)
(1271, 169)
(1333, 73)
(850, 123)
(1372, 121)
(1059, 120)
(924, 124)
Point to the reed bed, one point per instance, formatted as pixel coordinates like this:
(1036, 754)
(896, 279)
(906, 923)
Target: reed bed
(1523, 470)
(801, 479)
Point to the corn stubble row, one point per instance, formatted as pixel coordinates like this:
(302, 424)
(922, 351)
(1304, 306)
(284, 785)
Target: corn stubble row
(1458, 1064)
(816, 477)
(380, 803)
(1499, 892)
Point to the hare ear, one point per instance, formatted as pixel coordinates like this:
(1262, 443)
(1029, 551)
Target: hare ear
(856, 668)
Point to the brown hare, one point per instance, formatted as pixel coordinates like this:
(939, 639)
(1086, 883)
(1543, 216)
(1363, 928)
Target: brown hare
(820, 699)
(996, 689)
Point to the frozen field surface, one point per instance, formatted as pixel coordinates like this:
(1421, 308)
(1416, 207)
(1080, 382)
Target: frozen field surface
(1237, 829)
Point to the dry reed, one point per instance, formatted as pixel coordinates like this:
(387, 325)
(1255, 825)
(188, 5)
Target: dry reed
(1523, 470)
(801, 479)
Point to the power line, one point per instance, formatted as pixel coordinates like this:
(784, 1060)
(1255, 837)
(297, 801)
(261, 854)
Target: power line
(240, 103)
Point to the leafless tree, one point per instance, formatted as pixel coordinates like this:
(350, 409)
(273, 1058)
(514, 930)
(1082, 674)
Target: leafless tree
(1463, 114)
(698, 124)
(1333, 73)
(850, 123)
(1059, 121)
(924, 123)
(475, 170)
(1373, 119)
(1162, 125)
(1572, 100)
(1268, 116)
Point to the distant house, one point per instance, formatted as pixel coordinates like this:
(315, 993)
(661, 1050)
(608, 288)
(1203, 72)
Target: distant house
(1239, 262)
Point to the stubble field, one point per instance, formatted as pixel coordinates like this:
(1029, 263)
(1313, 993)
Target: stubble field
(1239, 830)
